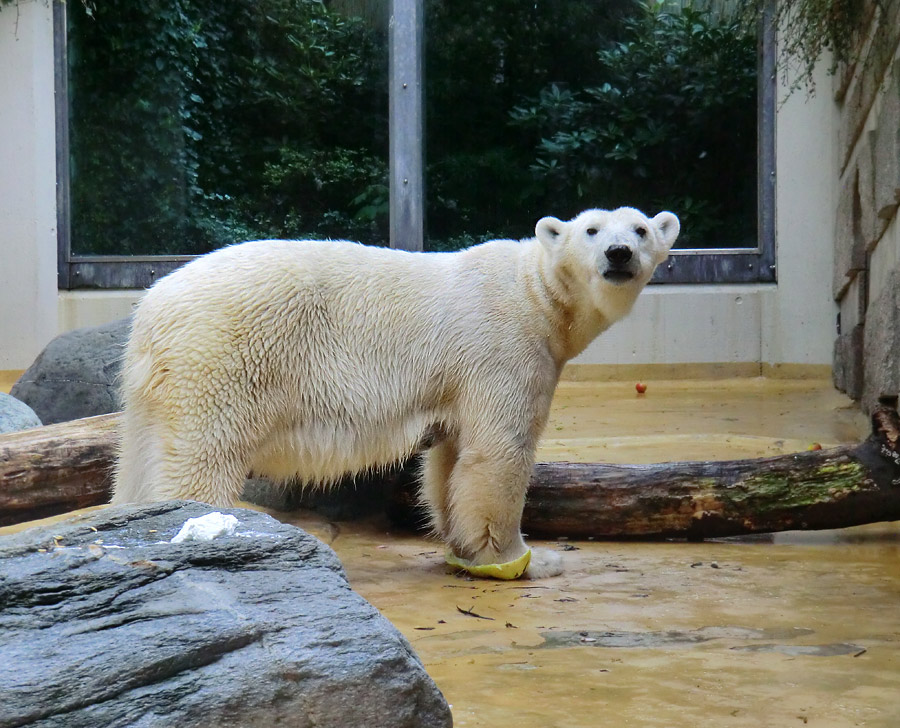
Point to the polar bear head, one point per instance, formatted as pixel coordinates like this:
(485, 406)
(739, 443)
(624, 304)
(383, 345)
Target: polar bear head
(610, 248)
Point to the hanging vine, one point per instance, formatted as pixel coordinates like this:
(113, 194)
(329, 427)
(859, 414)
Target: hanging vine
(811, 30)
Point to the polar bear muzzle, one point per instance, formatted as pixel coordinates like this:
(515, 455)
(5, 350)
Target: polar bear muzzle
(619, 256)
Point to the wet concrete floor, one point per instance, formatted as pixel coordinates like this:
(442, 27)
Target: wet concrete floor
(802, 629)
(799, 629)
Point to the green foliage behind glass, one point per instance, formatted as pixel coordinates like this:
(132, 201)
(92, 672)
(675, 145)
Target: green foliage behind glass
(482, 60)
(644, 107)
(195, 124)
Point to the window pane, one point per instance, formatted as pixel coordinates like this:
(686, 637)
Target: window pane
(551, 107)
(194, 124)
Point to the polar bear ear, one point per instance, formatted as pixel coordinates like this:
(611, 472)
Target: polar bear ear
(667, 228)
(550, 231)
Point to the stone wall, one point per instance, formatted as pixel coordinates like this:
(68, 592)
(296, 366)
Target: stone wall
(866, 281)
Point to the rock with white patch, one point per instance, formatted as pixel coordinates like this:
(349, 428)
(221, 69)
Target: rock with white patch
(104, 622)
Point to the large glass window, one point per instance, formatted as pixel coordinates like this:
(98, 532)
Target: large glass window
(191, 125)
(194, 124)
(555, 106)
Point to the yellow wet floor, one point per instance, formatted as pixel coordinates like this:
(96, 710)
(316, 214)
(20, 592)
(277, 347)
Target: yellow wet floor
(800, 630)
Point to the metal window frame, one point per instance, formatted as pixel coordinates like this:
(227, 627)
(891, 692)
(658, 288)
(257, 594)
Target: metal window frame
(407, 183)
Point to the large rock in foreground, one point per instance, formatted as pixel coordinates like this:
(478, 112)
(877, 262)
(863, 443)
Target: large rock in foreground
(76, 375)
(104, 622)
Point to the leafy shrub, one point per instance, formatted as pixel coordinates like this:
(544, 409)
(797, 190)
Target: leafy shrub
(670, 125)
(196, 123)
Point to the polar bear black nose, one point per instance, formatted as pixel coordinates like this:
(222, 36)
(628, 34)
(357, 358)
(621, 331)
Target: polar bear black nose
(618, 254)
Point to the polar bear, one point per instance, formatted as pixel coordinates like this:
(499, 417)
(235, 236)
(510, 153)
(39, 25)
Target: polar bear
(310, 360)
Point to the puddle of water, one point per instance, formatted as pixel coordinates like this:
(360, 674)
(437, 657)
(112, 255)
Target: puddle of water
(670, 639)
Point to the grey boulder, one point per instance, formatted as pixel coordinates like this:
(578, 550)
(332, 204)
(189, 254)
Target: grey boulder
(16, 415)
(76, 375)
(104, 622)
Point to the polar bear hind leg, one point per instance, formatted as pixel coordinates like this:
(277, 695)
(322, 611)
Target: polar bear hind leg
(173, 460)
(139, 458)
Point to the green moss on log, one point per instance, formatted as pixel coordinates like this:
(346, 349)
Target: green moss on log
(776, 490)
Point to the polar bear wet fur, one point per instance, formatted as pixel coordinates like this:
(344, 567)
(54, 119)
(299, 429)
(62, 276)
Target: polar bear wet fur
(311, 360)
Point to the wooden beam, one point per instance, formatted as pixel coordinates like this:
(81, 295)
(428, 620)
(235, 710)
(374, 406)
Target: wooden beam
(57, 468)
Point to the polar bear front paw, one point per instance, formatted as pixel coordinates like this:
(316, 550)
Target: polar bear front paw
(544, 563)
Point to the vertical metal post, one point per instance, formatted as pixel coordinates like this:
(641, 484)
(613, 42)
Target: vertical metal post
(405, 77)
(767, 111)
(61, 81)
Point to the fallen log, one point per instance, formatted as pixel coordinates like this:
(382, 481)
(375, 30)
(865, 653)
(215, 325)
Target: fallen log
(62, 467)
(56, 468)
(830, 488)
(834, 488)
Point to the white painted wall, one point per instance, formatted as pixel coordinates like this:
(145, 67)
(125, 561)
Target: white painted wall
(27, 183)
(791, 322)
(799, 323)
(686, 324)
(77, 309)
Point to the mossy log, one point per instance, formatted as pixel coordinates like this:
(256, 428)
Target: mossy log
(62, 467)
(830, 488)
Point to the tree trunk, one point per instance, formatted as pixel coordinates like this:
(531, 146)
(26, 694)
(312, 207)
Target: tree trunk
(62, 467)
(834, 488)
(57, 468)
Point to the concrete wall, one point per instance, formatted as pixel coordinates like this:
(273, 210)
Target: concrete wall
(866, 272)
(798, 321)
(77, 309)
(28, 307)
(750, 328)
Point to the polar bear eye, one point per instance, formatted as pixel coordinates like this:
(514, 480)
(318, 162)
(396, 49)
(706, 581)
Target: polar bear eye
(641, 231)
(592, 231)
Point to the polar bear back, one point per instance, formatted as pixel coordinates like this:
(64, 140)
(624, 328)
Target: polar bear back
(337, 308)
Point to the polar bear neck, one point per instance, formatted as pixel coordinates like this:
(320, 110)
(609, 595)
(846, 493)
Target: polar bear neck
(576, 307)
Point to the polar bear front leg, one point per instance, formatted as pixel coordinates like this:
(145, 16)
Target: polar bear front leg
(544, 563)
(485, 499)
